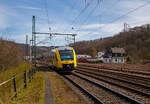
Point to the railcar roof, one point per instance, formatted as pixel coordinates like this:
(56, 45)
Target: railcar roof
(65, 48)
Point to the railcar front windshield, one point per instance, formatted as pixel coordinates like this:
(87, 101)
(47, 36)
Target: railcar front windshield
(66, 54)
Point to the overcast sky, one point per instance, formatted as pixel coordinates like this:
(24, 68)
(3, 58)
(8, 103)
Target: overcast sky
(90, 19)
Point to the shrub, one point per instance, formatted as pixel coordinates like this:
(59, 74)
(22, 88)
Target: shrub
(10, 55)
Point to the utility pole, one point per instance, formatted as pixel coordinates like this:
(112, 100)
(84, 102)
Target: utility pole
(33, 37)
(30, 51)
(27, 49)
(31, 41)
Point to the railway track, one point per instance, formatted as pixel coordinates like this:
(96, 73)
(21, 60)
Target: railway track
(100, 92)
(135, 71)
(118, 81)
(138, 91)
(94, 99)
(139, 79)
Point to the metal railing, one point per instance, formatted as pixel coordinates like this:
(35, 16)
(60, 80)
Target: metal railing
(27, 77)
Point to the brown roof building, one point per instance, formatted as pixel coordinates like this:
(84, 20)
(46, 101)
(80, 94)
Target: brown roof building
(118, 50)
(115, 55)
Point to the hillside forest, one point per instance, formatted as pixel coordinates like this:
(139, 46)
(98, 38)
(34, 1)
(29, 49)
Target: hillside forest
(135, 41)
(10, 54)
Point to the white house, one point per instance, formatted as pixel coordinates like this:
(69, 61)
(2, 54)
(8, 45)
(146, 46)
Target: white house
(115, 55)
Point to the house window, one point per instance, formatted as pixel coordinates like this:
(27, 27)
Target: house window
(116, 60)
(110, 60)
(116, 55)
(121, 59)
(107, 60)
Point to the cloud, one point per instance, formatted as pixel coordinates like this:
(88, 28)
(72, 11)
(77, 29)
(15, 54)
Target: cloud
(111, 28)
(19, 38)
(62, 20)
(93, 30)
(133, 19)
(3, 17)
(6, 16)
(91, 26)
(29, 7)
(128, 4)
(141, 14)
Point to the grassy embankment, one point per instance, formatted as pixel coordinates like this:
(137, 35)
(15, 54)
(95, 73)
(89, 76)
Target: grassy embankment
(34, 94)
(28, 94)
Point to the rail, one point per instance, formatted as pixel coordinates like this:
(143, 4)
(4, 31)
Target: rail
(112, 90)
(93, 97)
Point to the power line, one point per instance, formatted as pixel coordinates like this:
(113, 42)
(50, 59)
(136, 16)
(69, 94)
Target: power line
(67, 38)
(109, 7)
(112, 5)
(133, 23)
(139, 7)
(88, 16)
(82, 11)
(88, 4)
(131, 11)
(98, 2)
(72, 7)
(47, 13)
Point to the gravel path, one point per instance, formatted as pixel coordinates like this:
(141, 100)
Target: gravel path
(48, 91)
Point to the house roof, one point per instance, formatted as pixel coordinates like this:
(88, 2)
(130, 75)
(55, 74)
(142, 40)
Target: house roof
(117, 50)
